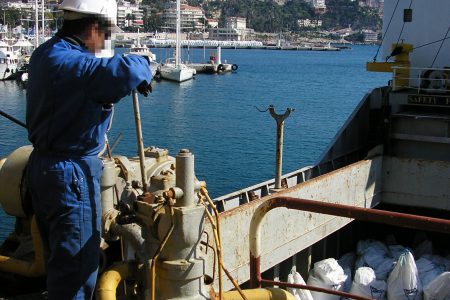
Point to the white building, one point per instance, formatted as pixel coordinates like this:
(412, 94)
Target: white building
(370, 36)
(129, 14)
(192, 18)
(236, 23)
(309, 23)
(235, 30)
(343, 33)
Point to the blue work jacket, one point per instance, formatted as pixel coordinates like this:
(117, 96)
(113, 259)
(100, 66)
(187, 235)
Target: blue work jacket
(69, 95)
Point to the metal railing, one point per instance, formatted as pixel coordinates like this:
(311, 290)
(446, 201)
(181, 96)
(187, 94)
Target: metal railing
(423, 80)
(357, 213)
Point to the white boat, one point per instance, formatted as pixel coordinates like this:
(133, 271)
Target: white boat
(9, 61)
(14, 58)
(176, 72)
(173, 69)
(23, 46)
(142, 50)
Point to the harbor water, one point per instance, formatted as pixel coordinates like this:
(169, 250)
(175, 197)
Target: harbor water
(217, 116)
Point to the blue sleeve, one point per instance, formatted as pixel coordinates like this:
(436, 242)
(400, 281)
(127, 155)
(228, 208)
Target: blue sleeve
(111, 79)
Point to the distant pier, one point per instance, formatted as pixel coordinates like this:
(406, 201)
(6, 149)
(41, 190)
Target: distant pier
(303, 48)
(207, 44)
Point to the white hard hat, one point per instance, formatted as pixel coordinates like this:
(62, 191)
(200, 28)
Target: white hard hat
(78, 9)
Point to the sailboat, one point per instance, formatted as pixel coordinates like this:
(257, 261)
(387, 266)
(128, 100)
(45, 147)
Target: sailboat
(173, 69)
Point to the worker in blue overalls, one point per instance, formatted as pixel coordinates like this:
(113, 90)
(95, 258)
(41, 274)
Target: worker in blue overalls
(70, 94)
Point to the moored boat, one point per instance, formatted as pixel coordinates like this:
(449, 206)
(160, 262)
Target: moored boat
(174, 69)
(9, 62)
(170, 70)
(143, 50)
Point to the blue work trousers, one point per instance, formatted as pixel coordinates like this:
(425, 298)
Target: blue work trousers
(65, 192)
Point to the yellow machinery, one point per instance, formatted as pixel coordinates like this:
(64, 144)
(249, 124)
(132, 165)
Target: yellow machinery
(400, 67)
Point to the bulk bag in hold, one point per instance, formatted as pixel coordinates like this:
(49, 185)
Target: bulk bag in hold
(438, 289)
(364, 245)
(425, 247)
(299, 294)
(428, 270)
(347, 262)
(376, 255)
(396, 250)
(327, 274)
(403, 282)
(439, 260)
(366, 284)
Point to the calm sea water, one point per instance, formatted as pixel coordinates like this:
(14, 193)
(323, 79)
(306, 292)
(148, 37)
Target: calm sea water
(215, 116)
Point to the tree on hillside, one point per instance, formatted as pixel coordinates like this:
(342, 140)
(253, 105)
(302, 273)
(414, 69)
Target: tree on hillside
(268, 16)
(155, 4)
(264, 16)
(152, 21)
(345, 13)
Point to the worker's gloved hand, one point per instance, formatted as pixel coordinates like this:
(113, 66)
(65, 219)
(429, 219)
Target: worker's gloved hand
(144, 88)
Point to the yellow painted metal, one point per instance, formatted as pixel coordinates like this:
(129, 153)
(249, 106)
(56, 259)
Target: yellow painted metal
(11, 174)
(2, 162)
(25, 268)
(380, 66)
(109, 281)
(401, 77)
(260, 294)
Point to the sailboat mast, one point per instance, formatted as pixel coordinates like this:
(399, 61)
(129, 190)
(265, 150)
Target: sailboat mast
(138, 39)
(43, 20)
(177, 48)
(36, 21)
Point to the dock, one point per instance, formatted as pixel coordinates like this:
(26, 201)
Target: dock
(211, 68)
(214, 64)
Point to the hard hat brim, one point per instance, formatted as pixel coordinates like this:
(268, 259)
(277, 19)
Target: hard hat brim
(73, 15)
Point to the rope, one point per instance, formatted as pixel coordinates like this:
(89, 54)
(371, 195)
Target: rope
(11, 118)
(387, 28)
(260, 110)
(440, 47)
(218, 241)
(431, 43)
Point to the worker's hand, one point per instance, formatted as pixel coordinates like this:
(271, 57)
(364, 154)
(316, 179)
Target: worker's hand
(144, 88)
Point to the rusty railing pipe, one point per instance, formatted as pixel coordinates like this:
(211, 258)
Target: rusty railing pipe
(357, 213)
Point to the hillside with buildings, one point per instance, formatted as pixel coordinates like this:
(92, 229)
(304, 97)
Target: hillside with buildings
(227, 19)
